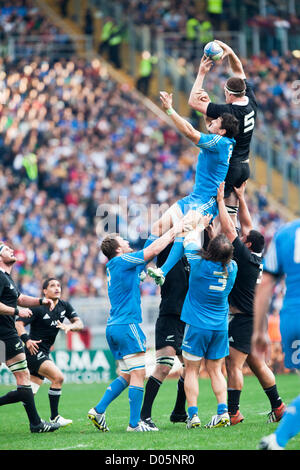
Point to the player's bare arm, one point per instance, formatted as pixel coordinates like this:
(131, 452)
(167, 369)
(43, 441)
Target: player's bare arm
(227, 225)
(234, 61)
(22, 312)
(28, 301)
(196, 100)
(161, 243)
(31, 344)
(260, 337)
(244, 214)
(182, 124)
(75, 325)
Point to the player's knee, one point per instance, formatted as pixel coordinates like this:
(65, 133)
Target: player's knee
(232, 210)
(20, 371)
(58, 379)
(164, 364)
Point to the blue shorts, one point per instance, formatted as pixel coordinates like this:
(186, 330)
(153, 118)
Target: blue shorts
(210, 344)
(125, 339)
(290, 339)
(194, 202)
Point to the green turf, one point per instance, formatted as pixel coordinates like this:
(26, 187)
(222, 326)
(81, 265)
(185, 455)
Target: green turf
(78, 399)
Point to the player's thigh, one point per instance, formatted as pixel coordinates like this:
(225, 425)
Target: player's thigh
(49, 370)
(236, 175)
(18, 366)
(235, 360)
(218, 346)
(240, 329)
(167, 220)
(169, 331)
(125, 340)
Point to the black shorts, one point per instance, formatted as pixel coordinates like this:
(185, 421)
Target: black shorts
(240, 332)
(11, 346)
(236, 175)
(169, 331)
(35, 361)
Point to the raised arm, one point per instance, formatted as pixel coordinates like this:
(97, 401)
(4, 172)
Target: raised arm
(162, 242)
(234, 62)
(227, 225)
(196, 100)
(182, 124)
(244, 214)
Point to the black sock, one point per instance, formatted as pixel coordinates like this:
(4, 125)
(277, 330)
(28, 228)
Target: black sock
(273, 396)
(54, 396)
(179, 407)
(11, 397)
(27, 398)
(233, 399)
(151, 391)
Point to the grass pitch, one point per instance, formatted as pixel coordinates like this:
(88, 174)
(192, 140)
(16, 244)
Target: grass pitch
(76, 400)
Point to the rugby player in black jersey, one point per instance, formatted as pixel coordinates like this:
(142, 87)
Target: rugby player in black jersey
(169, 331)
(44, 327)
(241, 102)
(13, 304)
(248, 255)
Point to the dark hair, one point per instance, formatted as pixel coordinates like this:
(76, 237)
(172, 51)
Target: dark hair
(47, 282)
(110, 245)
(237, 86)
(219, 250)
(231, 124)
(257, 241)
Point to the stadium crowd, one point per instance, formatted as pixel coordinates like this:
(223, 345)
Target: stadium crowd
(71, 139)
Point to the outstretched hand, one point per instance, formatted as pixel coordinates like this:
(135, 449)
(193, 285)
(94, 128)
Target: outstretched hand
(205, 64)
(166, 99)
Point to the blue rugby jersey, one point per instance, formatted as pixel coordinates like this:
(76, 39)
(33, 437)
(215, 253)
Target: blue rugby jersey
(206, 303)
(283, 258)
(212, 165)
(123, 288)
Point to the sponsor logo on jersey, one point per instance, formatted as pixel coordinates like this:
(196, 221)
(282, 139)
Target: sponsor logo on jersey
(46, 317)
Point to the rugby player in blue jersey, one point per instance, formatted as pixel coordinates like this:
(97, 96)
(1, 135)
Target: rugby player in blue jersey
(124, 334)
(282, 259)
(212, 166)
(205, 312)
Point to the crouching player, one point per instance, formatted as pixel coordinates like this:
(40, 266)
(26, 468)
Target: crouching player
(44, 327)
(124, 334)
(205, 312)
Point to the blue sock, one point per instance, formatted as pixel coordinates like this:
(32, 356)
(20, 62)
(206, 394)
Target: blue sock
(222, 408)
(192, 410)
(175, 255)
(135, 395)
(112, 392)
(290, 423)
(150, 240)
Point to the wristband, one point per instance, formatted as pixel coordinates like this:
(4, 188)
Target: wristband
(41, 301)
(170, 111)
(24, 337)
(16, 311)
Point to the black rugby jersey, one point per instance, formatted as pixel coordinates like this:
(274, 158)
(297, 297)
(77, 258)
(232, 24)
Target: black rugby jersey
(9, 294)
(176, 285)
(43, 322)
(246, 115)
(248, 275)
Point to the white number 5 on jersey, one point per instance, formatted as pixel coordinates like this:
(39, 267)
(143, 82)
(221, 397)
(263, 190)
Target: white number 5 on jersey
(249, 122)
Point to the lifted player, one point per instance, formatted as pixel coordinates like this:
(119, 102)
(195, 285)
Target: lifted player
(248, 255)
(212, 166)
(44, 327)
(14, 354)
(169, 330)
(241, 103)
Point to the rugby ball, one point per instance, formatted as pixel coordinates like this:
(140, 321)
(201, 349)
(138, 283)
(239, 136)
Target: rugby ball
(213, 50)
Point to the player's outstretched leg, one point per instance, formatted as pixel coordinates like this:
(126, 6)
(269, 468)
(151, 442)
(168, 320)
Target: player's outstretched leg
(97, 414)
(289, 427)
